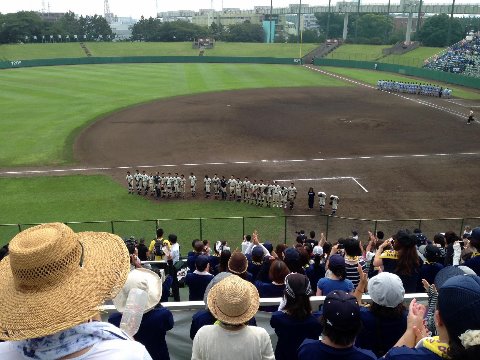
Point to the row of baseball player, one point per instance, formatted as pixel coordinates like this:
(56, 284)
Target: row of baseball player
(414, 88)
(261, 194)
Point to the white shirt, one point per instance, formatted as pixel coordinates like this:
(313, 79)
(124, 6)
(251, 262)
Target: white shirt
(193, 180)
(213, 342)
(109, 349)
(175, 252)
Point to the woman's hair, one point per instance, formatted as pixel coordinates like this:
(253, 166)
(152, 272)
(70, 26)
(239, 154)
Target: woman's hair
(387, 312)
(352, 247)
(405, 245)
(198, 247)
(298, 307)
(451, 237)
(327, 247)
(316, 260)
(223, 262)
(279, 249)
(311, 189)
(439, 239)
(172, 238)
(278, 271)
(304, 256)
(339, 271)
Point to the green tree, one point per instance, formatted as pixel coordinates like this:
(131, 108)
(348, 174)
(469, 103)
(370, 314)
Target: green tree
(312, 37)
(146, 29)
(374, 28)
(97, 27)
(434, 31)
(216, 31)
(245, 32)
(15, 27)
(68, 24)
(335, 24)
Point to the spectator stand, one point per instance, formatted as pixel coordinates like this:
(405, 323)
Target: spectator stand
(178, 339)
(462, 57)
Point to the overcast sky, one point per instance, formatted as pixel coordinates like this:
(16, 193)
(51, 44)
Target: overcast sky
(147, 8)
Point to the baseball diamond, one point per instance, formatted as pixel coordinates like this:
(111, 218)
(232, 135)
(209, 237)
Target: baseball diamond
(414, 159)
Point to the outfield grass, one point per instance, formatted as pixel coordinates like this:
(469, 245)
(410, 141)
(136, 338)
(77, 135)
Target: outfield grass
(371, 77)
(87, 198)
(41, 109)
(415, 58)
(185, 49)
(358, 52)
(69, 50)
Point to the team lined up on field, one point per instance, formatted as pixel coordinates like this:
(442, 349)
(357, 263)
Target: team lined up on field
(414, 88)
(260, 194)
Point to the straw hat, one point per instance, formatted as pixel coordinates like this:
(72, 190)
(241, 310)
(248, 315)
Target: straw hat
(142, 279)
(55, 278)
(233, 300)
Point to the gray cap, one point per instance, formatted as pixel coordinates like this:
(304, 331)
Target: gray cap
(219, 277)
(386, 289)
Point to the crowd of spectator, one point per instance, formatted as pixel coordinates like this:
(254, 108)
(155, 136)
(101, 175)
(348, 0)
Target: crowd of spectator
(230, 283)
(460, 58)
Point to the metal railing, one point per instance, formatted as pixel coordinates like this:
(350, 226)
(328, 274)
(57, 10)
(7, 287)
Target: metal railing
(275, 229)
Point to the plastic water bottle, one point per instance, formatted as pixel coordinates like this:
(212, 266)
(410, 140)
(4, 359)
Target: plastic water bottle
(133, 313)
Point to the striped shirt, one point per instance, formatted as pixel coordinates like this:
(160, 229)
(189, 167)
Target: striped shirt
(351, 268)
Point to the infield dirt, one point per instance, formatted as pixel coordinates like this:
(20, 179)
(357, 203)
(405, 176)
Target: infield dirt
(414, 160)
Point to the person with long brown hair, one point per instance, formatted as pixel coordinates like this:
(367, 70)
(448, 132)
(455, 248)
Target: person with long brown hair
(295, 322)
(403, 260)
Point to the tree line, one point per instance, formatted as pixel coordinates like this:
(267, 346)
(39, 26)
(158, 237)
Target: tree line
(363, 29)
(28, 26)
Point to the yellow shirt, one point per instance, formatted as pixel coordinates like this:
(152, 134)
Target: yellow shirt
(151, 247)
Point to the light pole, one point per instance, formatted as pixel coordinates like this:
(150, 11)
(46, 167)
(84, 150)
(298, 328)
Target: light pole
(299, 30)
(449, 33)
(328, 19)
(271, 14)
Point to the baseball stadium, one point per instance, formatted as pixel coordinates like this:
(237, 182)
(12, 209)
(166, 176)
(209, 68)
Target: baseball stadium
(77, 115)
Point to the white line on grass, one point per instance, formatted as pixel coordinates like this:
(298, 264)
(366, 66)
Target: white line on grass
(264, 161)
(418, 101)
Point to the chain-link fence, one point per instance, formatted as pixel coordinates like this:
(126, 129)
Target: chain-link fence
(276, 229)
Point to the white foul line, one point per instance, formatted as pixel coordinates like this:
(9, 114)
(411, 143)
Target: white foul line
(325, 178)
(253, 162)
(418, 101)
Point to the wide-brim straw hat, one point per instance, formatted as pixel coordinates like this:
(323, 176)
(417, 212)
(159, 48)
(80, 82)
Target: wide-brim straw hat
(142, 279)
(233, 300)
(54, 279)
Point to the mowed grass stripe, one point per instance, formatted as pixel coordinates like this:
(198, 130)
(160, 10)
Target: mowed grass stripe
(96, 198)
(54, 102)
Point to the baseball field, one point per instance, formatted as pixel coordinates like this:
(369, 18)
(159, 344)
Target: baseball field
(68, 134)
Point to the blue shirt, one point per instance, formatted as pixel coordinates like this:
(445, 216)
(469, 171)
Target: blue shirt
(314, 274)
(269, 290)
(406, 353)
(380, 334)
(328, 285)
(292, 332)
(428, 271)
(152, 331)
(316, 350)
(410, 282)
(196, 285)
(474, 264)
